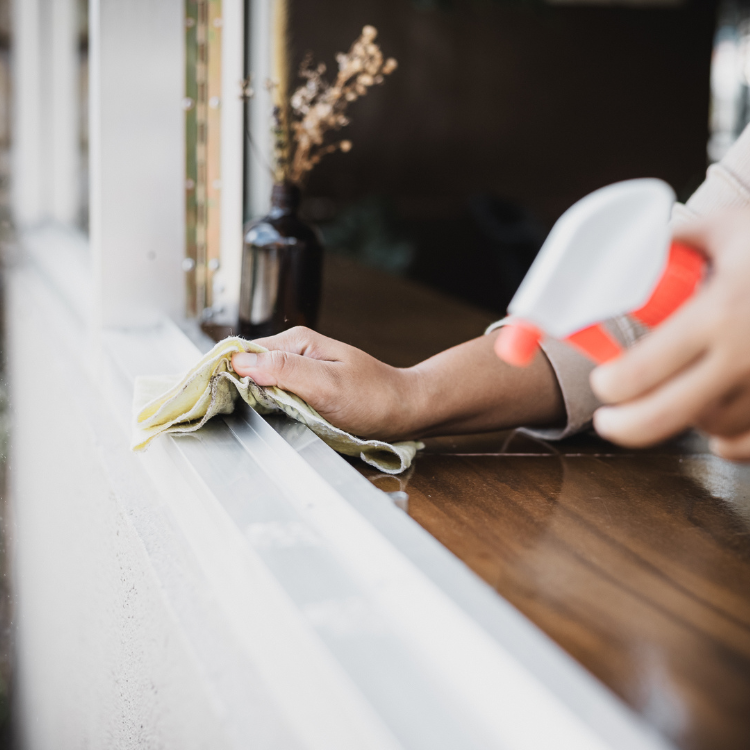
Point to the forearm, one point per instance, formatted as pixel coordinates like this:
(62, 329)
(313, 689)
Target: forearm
(468, 389)
(464, 389)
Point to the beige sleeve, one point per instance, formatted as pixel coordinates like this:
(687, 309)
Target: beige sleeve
(572, 370)
(727, 185)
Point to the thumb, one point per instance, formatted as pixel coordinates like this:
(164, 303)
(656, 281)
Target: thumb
(309, 378)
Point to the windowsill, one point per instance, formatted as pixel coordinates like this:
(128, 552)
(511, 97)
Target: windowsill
(279, 558)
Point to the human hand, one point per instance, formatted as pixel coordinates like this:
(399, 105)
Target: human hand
(346, 386)
(460, 390)
(694, 369)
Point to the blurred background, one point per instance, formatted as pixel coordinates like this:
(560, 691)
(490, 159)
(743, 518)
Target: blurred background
(501, 114)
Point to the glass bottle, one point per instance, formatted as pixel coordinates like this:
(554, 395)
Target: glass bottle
(282, 263)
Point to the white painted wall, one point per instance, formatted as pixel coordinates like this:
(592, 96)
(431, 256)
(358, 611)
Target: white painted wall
(259, 158)
(45, 112)
(137, 223)
(63, 82)
(28, 190)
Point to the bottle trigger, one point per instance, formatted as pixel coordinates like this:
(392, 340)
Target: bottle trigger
(517, 343)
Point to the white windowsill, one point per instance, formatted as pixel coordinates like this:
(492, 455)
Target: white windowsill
(288, 571)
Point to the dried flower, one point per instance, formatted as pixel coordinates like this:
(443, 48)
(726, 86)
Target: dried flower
(318, 107)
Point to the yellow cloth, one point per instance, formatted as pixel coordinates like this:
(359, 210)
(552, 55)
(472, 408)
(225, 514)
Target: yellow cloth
(184, 404)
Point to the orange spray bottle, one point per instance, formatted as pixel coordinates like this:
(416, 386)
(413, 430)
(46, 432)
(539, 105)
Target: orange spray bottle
(608, 255)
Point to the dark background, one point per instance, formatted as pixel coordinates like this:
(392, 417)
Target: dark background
(499, 117)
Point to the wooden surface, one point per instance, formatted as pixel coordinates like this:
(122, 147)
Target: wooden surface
(391, 318)
(637, 563)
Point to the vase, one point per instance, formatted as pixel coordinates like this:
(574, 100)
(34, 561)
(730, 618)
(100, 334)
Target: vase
(282, 264)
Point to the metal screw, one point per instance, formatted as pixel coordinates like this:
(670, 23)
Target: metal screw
(188, 264)
(213, 264)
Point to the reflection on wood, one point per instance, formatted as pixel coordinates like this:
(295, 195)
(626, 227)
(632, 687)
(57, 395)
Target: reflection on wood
(637, 564)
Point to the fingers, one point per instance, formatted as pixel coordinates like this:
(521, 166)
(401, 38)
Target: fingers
(666, 411)
(733, 449)
(311, 379)
(728, 417)
(298, 360)
(661, 354)
(305, 342)
(693, 369)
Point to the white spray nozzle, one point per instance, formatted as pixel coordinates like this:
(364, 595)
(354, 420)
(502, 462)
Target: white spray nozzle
(602, 258)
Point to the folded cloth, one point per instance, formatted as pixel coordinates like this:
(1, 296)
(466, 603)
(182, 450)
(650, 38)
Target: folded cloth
(184, 404)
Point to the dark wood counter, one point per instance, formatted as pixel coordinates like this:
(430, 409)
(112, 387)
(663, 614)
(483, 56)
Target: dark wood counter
(637, 563)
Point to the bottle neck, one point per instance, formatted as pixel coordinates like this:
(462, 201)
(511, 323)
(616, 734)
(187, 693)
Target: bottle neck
(285, 198)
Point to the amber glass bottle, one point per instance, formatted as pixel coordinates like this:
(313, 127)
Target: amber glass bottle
(282, 263)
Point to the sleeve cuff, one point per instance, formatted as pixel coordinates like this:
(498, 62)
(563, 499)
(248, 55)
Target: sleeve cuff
(572, 370)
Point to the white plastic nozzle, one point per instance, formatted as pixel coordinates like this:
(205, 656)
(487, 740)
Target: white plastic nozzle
(601, 259)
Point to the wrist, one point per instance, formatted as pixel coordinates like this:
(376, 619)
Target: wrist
(406, 416)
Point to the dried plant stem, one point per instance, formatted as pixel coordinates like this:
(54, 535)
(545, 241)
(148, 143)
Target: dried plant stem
(302, 122)
(319, 107)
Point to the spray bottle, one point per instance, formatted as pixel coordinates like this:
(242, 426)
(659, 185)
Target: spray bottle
(608, 255)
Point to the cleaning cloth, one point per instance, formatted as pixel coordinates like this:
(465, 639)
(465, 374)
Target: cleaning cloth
(184, 404)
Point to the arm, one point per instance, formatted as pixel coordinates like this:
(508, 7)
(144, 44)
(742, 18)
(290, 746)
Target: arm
(727, 186)
(464, 389)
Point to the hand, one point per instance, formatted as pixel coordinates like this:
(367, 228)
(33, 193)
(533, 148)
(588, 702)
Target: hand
(464, 389)
(349, 388)
(694, 369)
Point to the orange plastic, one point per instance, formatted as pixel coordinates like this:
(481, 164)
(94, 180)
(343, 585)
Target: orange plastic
(685, 270)
(596, 342)
(516, 344)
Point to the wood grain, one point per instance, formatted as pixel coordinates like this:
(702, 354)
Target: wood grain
(637, 563)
